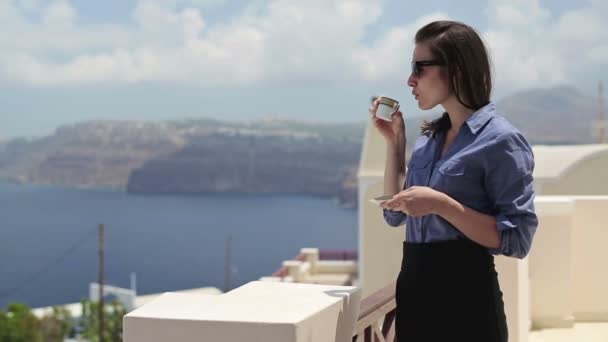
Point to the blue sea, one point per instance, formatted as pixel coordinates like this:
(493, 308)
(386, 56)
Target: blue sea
(48, 239)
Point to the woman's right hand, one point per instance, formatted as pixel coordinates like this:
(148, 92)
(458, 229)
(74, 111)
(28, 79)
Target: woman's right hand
(391, 131)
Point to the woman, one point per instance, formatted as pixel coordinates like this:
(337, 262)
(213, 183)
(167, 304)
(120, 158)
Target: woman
(468, 193)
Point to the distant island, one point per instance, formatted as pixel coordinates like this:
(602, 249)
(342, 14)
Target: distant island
(193, 156)
(271, 156)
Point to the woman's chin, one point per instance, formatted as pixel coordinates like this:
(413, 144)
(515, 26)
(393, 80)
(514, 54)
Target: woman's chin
(422, 105)
(425, 105)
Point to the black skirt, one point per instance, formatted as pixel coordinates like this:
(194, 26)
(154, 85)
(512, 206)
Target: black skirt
(448, 291)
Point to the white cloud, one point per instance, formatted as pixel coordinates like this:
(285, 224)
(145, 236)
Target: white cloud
(517, 14)
(281, 40)
(290, 40)
(313, 39)
(197, 3)
(57, 33)
(389, 57)
(522, 63)
(531, 48)
(29, 5)
(59, 14)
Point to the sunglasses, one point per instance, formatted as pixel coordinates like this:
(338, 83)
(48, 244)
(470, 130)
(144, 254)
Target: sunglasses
(418, 65)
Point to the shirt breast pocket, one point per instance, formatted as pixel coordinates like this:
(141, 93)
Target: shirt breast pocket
(453, 168)
(460, 180)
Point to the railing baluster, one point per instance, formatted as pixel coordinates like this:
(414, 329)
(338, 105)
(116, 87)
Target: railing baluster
(367, 334)
(378, 306)
(388, 322)
(378, 334)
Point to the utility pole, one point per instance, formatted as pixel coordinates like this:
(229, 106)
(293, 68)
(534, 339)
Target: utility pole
(602, 120)
(100, 280)
(228, 267)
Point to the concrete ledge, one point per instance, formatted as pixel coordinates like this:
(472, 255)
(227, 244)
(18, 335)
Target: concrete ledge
(257, 311)
(554, 205)
(553, 322)
(591, 316)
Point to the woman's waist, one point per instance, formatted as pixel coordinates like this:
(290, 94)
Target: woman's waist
(455, 255)
(430, 228)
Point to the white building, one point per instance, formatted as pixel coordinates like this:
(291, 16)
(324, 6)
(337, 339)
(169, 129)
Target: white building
(562, 282)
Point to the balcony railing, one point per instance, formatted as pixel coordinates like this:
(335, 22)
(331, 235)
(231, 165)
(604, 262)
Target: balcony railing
(376, 322)
(376, 313)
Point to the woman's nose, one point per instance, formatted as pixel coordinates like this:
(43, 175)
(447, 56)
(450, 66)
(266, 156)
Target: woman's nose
(411, 81)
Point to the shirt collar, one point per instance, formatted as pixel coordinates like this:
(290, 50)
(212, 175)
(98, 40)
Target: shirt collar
(479, 118)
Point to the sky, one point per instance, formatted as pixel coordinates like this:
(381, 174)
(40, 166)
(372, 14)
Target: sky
(66, 61)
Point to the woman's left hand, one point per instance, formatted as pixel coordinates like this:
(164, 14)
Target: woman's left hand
(415, 201)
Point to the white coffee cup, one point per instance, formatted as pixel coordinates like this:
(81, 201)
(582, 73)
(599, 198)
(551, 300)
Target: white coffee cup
(386, 108)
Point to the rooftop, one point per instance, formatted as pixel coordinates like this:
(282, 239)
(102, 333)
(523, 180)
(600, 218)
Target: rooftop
(555, 161)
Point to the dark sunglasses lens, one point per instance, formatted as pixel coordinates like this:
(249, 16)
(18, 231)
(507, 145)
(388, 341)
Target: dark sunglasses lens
(415, 70)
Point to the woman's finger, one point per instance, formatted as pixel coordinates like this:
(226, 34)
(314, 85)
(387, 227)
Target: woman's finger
(390, 203)
(372, 109)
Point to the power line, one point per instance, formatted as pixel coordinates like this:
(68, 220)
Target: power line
(46, 268)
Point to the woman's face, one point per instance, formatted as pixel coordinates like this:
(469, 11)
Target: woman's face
(430, 87)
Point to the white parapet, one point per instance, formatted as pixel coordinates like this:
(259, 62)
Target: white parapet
(589, 258)
(515, 285)
(567, 262)
(257, 311)
(551, 264)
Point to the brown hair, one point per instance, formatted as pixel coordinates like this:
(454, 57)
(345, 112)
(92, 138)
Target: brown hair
(465, 56)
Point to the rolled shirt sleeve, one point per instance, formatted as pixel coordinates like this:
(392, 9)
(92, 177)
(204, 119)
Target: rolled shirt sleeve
(394, 218)
(510, 185)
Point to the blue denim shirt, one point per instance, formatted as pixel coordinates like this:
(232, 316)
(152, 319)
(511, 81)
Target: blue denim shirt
(487, 168)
